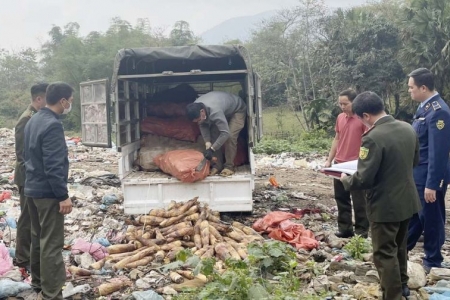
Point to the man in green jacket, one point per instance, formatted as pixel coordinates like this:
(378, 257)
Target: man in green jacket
(24, 224)
(389, 151)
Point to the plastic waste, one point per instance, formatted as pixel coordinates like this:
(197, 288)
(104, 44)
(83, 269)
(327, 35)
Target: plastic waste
(147, 295)
(105, 179)
(70, 290)
(110, 199)
(11, 288)
(438, 290)
(6, 263)
(12, 252)
(443, 283)
(70, 143)
(103, 241)
(4, 195)
(95, 249)
(444, 296)
(11, 222)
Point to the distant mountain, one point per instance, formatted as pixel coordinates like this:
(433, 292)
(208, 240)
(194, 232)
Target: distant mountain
(235, 28)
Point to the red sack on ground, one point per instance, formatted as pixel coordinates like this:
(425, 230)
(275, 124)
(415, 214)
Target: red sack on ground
(280, 228)
(181, 164)
(76, 140)
(272, 220)
(295, 234)
(178, 128)
(166, 109)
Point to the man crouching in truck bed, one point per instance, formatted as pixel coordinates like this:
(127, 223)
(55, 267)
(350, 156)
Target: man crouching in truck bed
(221, 116)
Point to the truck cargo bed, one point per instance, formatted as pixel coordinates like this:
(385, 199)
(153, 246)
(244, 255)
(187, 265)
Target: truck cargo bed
(141, 175)
(146, 190)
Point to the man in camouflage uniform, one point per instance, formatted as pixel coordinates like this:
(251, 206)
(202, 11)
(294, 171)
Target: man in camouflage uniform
(24, 224)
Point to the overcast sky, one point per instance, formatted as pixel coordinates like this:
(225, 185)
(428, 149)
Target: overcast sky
(26, 22)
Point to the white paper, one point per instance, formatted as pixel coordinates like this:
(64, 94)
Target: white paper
(347, 167)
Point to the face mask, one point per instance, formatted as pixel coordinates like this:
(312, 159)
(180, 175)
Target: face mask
(67, 110)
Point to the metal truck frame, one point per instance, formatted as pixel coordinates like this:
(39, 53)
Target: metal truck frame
(120, 107)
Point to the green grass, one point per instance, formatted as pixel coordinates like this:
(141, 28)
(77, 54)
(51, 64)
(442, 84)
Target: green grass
(281, 119)
(7, 123)
(284, 133)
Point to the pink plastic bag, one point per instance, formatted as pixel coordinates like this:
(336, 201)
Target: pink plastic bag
(95, 249)
(5, 195)
(6, 263)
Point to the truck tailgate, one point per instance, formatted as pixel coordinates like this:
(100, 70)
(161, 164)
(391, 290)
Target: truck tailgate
(144, 191)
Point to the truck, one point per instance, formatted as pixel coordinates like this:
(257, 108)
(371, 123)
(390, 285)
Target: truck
(118, 105)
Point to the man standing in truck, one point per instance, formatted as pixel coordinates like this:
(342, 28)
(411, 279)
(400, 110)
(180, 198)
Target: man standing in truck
(349, 130)
(221, 117)
(24, 224)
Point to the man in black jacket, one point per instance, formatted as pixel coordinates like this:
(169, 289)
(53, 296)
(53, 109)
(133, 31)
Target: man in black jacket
(47, 168)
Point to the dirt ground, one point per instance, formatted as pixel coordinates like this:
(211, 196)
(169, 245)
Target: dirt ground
(309, 182)
(313, 188)
(316, 185)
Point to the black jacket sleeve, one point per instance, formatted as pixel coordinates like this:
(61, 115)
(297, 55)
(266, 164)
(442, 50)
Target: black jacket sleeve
(54, 153)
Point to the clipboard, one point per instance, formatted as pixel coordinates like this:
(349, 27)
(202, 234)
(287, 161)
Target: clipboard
(335, 170)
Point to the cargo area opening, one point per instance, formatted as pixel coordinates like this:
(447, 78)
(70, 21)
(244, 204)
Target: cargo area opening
(145, 107)
(155, 111)
(153, 89)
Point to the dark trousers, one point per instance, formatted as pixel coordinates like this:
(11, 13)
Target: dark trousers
(48, 272)
(390, 256)
(431, 222)
(344, 203)
(23, 231)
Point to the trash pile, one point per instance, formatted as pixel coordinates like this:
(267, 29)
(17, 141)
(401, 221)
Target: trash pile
(290, 161)
(109, 255)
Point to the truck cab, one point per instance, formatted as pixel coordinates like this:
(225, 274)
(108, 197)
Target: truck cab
(119, 106)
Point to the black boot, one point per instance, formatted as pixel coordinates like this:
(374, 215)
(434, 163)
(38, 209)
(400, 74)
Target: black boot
(344, 234)
(405, 291)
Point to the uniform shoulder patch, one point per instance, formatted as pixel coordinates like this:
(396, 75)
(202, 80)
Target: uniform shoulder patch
(436, 105)
(363, 152)
(440, 124)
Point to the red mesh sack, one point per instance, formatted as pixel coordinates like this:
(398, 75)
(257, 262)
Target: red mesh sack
(272, 219)
(279, 227)
(167, 109)
(241, 157)
(181, 164)
(178, 128)
(295, 234)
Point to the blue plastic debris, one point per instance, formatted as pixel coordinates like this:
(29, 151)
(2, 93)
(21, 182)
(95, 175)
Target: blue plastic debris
(103, 241)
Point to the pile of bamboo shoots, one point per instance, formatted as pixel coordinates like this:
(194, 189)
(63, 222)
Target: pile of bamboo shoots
(162, 233)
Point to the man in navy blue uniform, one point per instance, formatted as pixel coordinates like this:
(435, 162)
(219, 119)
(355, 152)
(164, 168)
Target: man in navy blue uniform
(432, 125)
